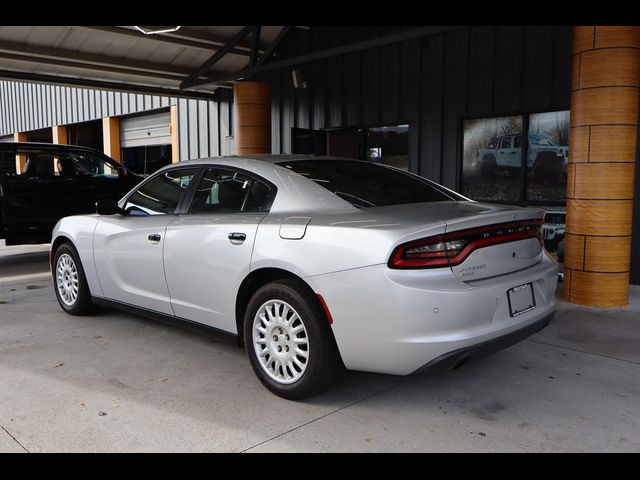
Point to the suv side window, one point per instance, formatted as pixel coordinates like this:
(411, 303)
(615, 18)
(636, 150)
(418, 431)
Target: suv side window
(161, 194)
(505, 142)
(228, 191)
(87, 164)
(43, 165)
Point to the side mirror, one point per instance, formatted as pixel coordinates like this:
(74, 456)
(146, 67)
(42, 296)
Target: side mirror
(107, 207)
(122, 172)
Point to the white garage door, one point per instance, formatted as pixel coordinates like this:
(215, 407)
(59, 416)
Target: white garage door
(146, 130)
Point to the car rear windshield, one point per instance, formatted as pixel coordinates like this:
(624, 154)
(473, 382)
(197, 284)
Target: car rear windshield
(365, 184)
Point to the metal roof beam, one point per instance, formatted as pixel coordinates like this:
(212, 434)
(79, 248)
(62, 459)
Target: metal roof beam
(92, 59)
(206, 66)
(331, 52)
(83, 66)
(103, 85)
(265, 56)
(255, 45)
(243, 48)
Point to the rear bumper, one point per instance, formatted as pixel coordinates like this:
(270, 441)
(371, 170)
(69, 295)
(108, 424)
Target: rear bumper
(455, 359)
(397, 322)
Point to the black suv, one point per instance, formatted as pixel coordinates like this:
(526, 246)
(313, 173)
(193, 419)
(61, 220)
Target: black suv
(56, 181)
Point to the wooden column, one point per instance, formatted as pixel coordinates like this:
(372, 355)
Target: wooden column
(175, 151)
(60, 134)
(252, 106)
(111, 137)
(605, 97)
(20, 159)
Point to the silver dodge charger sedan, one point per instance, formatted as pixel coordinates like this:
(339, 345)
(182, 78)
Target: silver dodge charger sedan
(314, 264)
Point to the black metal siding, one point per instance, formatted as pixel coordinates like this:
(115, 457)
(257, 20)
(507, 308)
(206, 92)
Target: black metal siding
(431, 83)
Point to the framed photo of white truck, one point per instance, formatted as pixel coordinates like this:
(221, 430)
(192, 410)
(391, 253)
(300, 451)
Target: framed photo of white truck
(519, 159)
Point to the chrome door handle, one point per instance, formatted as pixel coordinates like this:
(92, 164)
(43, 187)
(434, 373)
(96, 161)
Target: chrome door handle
(154, 238)
(237, 237)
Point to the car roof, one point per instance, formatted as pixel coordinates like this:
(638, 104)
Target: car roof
(45, 146)
(268, 158)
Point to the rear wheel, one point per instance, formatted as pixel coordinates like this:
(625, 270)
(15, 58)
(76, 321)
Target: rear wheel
(289, 341)
(70, 283)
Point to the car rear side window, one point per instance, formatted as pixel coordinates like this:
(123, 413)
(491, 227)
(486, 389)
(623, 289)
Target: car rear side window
(365, 184)
(229, 191)
(160, 195)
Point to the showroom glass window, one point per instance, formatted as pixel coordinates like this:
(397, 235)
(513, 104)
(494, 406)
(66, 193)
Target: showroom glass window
(161, 194)
(547, 157)
(502, 163)
(388, 145)
(492, 159)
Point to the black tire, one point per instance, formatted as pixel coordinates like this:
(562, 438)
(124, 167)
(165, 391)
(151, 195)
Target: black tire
(82, 304)
(489, 165)
(323, 365)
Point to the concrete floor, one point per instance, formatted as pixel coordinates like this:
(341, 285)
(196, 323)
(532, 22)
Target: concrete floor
(115, 382)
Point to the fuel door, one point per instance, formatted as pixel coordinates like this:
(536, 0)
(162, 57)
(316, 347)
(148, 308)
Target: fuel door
(294, 228)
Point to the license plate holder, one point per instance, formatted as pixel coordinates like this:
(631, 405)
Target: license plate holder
(521, 299)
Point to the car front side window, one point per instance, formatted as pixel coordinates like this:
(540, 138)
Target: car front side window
(86, 164)
(160, 195)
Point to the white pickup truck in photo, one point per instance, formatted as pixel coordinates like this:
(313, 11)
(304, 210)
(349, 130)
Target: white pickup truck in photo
(545, 159)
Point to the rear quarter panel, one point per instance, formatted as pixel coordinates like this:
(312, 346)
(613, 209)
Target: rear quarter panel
(331, 243)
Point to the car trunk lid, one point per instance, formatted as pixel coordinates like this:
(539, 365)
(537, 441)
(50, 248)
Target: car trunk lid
(494, 239)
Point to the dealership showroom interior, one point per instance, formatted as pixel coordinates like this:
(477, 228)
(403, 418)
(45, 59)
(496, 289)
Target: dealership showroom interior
(319, 238)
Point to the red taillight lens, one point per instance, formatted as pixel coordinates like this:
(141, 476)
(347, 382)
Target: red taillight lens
(453, 248)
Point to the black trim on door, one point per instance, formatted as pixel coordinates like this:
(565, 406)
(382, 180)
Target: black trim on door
(185, 202)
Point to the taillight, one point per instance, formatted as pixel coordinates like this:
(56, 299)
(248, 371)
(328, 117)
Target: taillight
(453, 248)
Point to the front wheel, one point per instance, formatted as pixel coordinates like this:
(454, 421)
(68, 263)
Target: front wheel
(69, 281)
(289, 341)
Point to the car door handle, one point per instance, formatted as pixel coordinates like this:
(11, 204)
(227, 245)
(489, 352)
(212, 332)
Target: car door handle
(154, 237)
(237, 237)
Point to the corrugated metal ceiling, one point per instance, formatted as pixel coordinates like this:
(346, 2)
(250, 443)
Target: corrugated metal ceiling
(122, 54)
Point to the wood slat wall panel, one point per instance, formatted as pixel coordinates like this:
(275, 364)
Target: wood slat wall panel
(609, 288)
(596, 217)
(623, 149)
(601, 173)
(603, 180)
